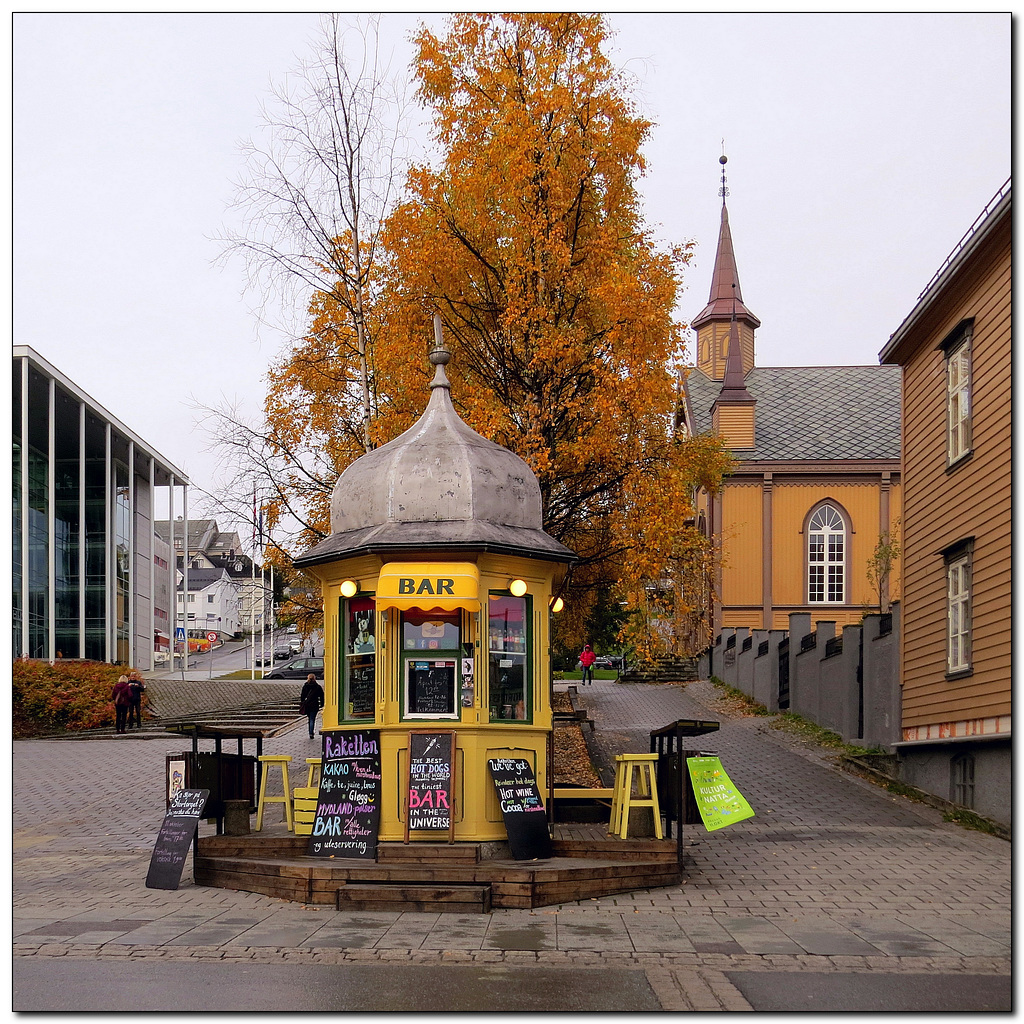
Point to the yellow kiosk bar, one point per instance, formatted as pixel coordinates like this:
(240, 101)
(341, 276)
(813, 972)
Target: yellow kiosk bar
(437, 583)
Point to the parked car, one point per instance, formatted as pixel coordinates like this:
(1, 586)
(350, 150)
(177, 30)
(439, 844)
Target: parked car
(299, 668)
(295, 645)
(282, 651)
(606, 662)
(264, 658)
(293, 628)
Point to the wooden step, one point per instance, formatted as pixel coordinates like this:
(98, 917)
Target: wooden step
(435, 853)
(437, 899)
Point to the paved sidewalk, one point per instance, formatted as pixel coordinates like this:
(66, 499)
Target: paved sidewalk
(831, 875)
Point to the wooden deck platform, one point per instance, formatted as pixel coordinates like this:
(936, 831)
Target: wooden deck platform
(462, 877)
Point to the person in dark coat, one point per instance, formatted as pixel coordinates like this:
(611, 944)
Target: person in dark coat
(121, 695)
(587, 661)
(137, 688)
(311, 700)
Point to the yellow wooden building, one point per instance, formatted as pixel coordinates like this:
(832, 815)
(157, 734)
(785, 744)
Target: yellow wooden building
(437, 582)
(816, 482)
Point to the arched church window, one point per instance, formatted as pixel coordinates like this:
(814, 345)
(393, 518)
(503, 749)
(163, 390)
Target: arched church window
(826, 557)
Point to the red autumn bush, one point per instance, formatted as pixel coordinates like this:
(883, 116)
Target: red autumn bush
(64, 696)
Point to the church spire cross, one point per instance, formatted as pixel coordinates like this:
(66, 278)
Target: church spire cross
(725, 278)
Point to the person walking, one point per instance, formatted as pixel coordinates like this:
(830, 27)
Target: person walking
(311, 700)
(137, 688)
(121, 695)
(587, 657)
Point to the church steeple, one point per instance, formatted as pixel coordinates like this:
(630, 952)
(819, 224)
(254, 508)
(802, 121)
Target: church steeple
(732, 415)
(713, 324)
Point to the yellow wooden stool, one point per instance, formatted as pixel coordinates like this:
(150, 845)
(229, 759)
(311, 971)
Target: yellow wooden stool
(268, 761)
(313, 775)
(305, 808)
(623, 799)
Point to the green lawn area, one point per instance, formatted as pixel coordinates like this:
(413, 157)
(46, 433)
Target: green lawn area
(599, 673)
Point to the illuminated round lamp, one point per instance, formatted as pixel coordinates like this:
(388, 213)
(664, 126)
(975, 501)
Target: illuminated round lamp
(349, 588)
(557, 604)
(517, 587)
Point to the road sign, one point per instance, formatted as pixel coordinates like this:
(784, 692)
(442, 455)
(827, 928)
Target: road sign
(212, 637)
(179, 632)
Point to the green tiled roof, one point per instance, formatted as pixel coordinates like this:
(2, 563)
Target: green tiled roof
(813, 412)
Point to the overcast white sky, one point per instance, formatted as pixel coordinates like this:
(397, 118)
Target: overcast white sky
(861, 147)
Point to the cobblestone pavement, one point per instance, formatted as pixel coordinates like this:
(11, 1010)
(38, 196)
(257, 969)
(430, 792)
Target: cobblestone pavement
(832, 874)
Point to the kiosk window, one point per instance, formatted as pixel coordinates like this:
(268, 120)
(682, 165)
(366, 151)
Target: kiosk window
(430, 650)
(508, 657)
(430, 631)
(358, 647)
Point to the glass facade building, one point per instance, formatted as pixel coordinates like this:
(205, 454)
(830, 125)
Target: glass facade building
(88, 578)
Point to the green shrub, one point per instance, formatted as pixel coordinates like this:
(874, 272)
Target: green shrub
(64, 696)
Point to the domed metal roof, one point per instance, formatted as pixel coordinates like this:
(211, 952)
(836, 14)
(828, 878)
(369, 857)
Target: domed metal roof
(438, 486)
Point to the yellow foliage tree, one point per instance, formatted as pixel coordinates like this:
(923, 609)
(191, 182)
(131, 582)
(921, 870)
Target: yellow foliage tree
(528, 239)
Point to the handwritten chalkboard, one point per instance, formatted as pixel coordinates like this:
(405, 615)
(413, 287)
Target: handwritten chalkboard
(432, 689)
(175, 837)
(429, 792)
(521, 807)
(348, 808)
(361, 685)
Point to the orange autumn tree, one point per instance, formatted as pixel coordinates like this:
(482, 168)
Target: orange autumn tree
(528, 239)
(316, 426)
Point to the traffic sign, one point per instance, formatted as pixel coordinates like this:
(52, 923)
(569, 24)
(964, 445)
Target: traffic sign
(179, 632)
(211, 636)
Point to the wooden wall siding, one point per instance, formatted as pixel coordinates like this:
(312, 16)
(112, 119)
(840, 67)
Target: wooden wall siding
(790, 505)
(735, 424)
(896, 516)
(741, 520)
(713, 348)
(940, 508)
(829, 613)
(749, 617)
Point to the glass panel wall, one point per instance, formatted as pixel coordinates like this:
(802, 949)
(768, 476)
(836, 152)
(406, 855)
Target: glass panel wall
(67, 525)
(95, 540)
(37, 561)
(16, 570)
(122, 563)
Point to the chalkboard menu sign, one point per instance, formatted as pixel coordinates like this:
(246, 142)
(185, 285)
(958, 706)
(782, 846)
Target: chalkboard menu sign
(361, 685)
(432, 687)
(429, 793)
(175, 837)
(348, 808)
(521, 807)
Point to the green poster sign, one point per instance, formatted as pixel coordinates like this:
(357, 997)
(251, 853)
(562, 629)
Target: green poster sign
(720, 803)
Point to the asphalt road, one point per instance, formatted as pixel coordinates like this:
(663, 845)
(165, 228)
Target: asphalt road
(116, 985)
(235, 655)
(875, 992)
(212, 987)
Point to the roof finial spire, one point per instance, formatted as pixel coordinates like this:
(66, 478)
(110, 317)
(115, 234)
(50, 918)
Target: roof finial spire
(439, 356)
(723, 160)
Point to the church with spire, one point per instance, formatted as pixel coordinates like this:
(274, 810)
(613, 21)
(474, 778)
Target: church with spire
(816, 479)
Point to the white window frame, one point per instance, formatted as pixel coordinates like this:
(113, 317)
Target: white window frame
(958, 613)
(826, 561)
(958, 401)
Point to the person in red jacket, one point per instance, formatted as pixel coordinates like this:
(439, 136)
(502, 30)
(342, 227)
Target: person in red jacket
(587, 661)
(121, 695)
